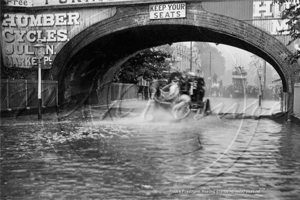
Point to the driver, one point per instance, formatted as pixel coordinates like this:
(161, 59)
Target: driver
(174, 90)
(179, 99)
(175, 97)
(193, 84)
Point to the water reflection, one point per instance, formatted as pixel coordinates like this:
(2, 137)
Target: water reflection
(214, 158)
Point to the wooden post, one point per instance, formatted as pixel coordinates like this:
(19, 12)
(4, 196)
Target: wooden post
(26, 93)
(191, 58)
(56, 90)
(7, 94)
(265, 74)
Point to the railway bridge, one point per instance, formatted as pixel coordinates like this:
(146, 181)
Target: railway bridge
(87, 41)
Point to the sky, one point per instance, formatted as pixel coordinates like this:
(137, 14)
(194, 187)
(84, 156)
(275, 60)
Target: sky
(234, 57)
(242, 58)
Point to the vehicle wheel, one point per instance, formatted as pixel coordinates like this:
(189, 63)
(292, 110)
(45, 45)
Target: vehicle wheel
(182, 112)
(121, 114)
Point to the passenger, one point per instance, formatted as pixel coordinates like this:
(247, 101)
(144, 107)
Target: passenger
(185, 84)
(193, 84)
(200, 88)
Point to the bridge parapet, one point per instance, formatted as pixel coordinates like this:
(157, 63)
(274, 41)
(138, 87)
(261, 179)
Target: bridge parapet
(56, 24)
(69, 4)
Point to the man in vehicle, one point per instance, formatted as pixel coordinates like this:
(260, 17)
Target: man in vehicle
(197, 87)
(169, 94)
(177, 99)
(200, 87)
(185, 83)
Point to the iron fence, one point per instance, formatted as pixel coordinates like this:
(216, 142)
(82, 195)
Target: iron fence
(22, 94)
(116, 91)
(297, 100)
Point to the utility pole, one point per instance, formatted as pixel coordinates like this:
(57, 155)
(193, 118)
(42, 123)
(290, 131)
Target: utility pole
(191, 58)
(210, 64)
(39, 50)
(265, 74)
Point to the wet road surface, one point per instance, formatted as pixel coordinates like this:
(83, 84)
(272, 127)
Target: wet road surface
(132, 158)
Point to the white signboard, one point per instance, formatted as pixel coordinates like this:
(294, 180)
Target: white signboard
(167, 11)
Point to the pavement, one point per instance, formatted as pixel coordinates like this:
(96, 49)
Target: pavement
(226, 107)
(229, 106)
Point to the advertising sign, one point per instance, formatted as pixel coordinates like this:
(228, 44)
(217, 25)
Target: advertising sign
(267, 14)
(167, 11)
(19, 3)
(36, 3)
(20, 32)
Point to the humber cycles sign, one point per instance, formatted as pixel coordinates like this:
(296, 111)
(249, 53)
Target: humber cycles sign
(20, 32)
(167, 11)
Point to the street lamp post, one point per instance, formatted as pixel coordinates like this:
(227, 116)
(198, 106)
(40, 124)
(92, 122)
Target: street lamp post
(210, 65)
(260, 94)
(39, 53)
(191, 57)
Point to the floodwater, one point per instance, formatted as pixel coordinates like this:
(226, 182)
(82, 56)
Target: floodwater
(132, 158)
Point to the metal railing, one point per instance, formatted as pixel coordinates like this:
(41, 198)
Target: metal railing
(22, 94)
(296, 110)
(117, 91)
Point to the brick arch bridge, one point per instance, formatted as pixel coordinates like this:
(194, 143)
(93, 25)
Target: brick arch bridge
(98, 51)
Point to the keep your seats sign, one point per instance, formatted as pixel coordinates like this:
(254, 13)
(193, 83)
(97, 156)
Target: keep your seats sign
(167, 11)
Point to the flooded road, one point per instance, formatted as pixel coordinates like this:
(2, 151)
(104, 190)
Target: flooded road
(131, 158)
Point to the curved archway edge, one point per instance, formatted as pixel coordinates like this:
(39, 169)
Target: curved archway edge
(225, 30)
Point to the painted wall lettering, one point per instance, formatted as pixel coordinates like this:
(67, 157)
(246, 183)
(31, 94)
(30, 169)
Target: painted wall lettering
(268, 9)
(34, 3)
(21, 20)
(21, 32)
(19, 3)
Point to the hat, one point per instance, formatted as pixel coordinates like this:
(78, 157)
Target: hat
(175, 78)
(192, 74)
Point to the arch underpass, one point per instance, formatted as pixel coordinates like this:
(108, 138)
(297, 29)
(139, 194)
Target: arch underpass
(97, 52)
